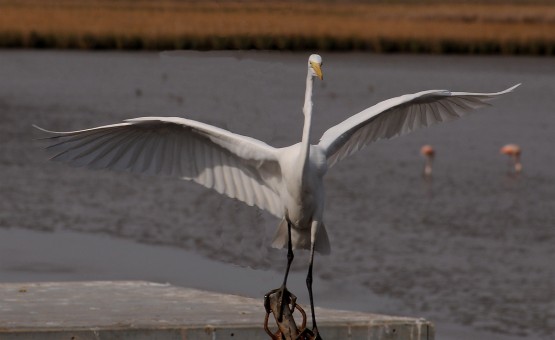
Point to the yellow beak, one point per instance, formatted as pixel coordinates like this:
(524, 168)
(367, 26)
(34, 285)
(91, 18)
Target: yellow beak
(317, 70)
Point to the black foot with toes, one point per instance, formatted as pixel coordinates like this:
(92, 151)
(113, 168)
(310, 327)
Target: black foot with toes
(285, 297)
(308, 334)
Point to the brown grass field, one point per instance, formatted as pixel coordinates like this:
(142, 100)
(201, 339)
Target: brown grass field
(426, 26)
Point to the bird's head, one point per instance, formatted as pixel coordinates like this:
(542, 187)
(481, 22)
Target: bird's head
(315, 66)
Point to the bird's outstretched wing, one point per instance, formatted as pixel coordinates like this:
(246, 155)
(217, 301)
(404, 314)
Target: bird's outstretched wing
(238, 166)
(398, 116)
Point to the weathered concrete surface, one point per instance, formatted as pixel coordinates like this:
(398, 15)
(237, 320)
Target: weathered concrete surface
(144, 310)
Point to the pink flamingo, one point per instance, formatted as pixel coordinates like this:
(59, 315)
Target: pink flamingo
(513, 151)
(428, 152)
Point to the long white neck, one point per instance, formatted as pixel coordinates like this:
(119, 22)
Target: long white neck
(307, 110)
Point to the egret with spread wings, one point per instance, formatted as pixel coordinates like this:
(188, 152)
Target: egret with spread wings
(286, 182)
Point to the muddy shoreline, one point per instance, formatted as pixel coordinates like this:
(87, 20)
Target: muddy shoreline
(471, 248)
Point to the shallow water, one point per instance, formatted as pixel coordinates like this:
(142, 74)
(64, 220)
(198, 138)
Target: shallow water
(472, 248)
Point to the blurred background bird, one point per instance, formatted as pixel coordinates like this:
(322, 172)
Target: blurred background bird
(429, 153)
(513, 151)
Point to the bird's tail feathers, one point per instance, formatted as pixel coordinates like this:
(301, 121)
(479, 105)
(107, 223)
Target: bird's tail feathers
(300, 238)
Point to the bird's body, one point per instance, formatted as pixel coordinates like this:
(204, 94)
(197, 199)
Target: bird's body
(304, 197)
(286, 182)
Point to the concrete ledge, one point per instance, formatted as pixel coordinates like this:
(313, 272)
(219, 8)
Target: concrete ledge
(143, 310)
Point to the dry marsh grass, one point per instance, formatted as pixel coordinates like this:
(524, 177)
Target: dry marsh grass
(510, 27)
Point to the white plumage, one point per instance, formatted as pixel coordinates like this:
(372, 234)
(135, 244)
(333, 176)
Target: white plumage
(238, 166)
(286, 182)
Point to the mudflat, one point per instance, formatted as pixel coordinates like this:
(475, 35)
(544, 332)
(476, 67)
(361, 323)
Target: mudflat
(473, 247)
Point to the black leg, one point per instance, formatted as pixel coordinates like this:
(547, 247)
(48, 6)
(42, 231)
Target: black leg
(284, 294)
(309, 286)
(290, 255)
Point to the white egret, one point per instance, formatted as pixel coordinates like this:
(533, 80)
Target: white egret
(287, 182)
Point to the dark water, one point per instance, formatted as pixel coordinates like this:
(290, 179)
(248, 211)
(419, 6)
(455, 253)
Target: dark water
(473, 248)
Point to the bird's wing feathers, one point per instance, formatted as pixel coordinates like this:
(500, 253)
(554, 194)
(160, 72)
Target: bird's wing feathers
(398, 116)
(238, 166)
